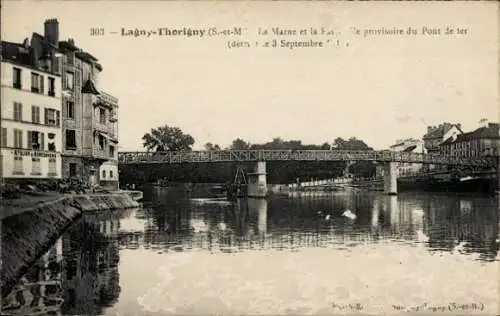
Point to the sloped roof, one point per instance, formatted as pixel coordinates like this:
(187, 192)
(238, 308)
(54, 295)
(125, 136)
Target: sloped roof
(488, 132)
(89, 87)
(440, 131)
(410, 148)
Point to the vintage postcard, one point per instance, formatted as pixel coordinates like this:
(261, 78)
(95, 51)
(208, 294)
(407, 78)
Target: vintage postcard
(250, 158)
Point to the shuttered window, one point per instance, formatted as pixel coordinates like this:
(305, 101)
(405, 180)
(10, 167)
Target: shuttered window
(18, 138)
(35, 114)
(52, 167)
(4, 137)
(35, 166)
(18, 165)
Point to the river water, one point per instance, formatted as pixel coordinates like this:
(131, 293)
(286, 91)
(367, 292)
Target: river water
(189, 253)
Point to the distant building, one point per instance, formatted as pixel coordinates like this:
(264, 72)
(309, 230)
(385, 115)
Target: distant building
(408, 145)
(31, 140)
(437, 134)
(483, 141)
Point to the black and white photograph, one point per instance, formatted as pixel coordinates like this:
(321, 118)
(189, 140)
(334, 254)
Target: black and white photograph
(222, 157)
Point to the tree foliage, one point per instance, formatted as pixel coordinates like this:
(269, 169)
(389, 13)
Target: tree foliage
(351, 144)
(210, 146)
(239, 144)
(167, 138)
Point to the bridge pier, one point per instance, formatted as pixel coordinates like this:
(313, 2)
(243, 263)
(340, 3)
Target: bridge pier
(390, 178)
(257, 182)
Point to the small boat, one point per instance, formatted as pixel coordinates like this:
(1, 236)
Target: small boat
(217, 189)
(349, 214)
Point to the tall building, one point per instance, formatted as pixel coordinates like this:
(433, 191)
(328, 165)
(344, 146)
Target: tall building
(483, 141)
(87, 116)
(31, 138)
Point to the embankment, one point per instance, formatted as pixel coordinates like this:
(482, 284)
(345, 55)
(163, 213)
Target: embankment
(28, 235)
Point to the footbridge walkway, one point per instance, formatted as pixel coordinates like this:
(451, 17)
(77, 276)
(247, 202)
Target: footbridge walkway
(257, 183)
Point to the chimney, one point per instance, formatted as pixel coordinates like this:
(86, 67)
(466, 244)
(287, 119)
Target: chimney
(459, 126)
(52, 31)
(483, 123)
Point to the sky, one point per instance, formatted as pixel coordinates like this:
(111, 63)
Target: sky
(379, 88)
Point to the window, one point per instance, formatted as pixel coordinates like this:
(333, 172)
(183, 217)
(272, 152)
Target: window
(70, 81)
(72, 169)
(36, 140)
(104, 174)
(4, 137)
(70, 139)
(35, 166)
(35, 114)
(102, 116)
(18, 138)
(111, 174)
(16, 78)
(52, 167)
(52, 117)
(101, 142)
(70, 109)
(18, 165)
(52, 87)
(36, 83)
(51, 146)
(112, 151)
(18, 111)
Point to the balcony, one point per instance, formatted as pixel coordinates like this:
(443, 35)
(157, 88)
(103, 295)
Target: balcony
(107, 100)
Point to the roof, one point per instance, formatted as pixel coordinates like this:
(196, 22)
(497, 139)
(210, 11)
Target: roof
(89, 87)
(410, 148)
(492, 131)
(15, 52)
(19, 55)
(67, 45)
(85, 56)
(440, 131)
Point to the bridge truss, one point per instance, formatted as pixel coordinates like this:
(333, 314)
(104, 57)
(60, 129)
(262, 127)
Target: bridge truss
(176, 157)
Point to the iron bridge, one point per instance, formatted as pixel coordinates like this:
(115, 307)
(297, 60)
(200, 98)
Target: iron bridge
(177, 157)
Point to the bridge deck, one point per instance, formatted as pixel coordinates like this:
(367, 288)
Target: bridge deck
(172, 157)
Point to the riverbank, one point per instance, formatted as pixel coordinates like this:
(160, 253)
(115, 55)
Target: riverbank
(28, 232)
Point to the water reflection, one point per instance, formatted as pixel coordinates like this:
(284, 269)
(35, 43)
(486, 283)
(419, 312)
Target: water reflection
(307, 220)
(77, 276)
(80, 274)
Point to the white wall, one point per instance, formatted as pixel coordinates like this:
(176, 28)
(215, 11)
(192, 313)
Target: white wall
(8, 162)
(9, 95)
(107, 167)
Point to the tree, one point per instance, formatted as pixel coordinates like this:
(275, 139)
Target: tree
(166, 138)
(210, 146)
(352, 144)
(239, 144)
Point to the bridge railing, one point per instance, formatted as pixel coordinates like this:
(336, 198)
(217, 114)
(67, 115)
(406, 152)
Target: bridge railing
(299, 155)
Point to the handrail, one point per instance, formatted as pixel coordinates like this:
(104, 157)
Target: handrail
(175, 157)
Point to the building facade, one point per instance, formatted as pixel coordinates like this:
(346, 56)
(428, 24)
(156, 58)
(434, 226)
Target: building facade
(86, 116)
(90, 122)
(484, 141)
(437, 134)
(31, 138)
(408, 145)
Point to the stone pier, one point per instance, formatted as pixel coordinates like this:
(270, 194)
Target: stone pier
(390, 178)
(257, 183)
